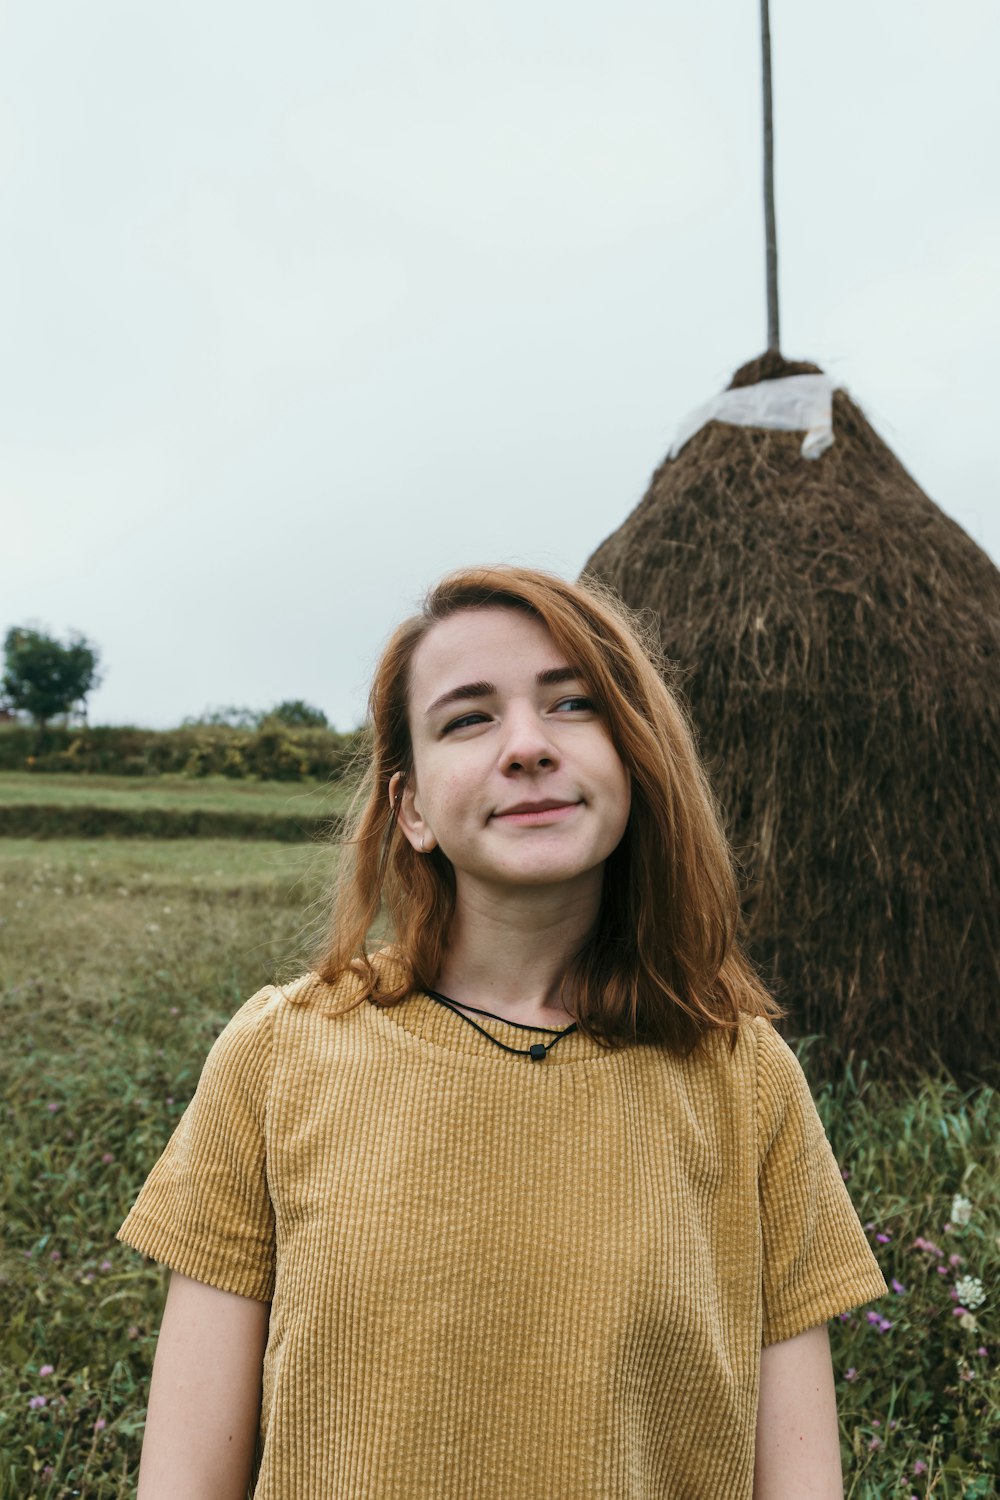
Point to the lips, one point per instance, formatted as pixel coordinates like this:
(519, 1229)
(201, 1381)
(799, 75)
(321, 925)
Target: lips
(548, 804)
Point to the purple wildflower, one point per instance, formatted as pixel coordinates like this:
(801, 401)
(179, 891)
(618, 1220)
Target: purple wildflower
(37, 1402)
(47, 1370)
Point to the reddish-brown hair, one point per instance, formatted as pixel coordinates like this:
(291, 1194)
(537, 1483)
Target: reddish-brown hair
(664, 962)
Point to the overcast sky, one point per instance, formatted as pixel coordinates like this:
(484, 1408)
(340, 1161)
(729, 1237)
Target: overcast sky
(303, 305)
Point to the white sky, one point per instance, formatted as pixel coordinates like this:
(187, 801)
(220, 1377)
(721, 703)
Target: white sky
(303, 305)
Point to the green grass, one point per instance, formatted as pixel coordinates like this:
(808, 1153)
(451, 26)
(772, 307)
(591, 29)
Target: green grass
(120, 963)
(209, 793)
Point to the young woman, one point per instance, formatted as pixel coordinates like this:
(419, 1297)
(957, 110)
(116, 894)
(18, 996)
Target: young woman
(530, 1201)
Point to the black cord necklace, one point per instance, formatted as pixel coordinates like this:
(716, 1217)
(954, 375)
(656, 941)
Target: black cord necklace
(537, 1051)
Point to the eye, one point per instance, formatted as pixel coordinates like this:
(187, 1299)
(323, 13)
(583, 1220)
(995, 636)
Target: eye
(464, 722)
(576, 705)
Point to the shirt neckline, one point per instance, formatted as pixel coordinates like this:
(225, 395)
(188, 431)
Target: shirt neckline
(436, 1026)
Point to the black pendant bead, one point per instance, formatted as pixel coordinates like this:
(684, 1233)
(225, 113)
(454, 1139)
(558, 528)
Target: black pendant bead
(537, 1051)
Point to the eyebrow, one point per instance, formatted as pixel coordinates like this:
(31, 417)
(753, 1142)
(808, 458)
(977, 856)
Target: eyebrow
(549, 678)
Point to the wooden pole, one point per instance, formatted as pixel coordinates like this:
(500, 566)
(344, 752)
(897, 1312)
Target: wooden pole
(770, 232)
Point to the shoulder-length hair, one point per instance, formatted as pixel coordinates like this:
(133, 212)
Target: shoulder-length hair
(664, 962)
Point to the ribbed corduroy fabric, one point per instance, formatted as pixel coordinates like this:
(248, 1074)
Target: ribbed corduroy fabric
(493, 1278)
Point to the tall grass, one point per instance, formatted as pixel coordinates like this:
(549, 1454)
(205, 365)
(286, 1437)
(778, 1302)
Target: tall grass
(121, 962)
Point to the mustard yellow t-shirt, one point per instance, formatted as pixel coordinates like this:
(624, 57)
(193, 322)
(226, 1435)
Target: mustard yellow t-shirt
(497, 1277)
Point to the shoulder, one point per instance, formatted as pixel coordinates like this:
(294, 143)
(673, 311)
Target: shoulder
(757, 1072)
(782, 1087)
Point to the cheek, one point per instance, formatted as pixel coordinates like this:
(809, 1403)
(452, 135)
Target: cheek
(443, 795)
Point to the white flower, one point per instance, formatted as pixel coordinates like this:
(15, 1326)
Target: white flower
(961, 1209)
(968, 1322)
(970, 1291)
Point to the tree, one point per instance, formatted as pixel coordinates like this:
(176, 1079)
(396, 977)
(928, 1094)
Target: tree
(298, 714)
(229, 716)
(43, 677)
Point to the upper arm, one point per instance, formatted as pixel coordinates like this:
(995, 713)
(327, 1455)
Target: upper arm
(204, 1396)
(798, 1442)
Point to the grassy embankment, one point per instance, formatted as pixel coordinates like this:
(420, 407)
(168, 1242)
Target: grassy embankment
(163, 807)
(121, 960)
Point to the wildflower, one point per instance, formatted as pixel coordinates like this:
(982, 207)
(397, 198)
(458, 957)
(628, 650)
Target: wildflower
(100, 1425)
(959, 1312)
(897, 1287)
(47, 1370)
(956, 1260)
(961, 1209)
(876, 1442)
(921, 1244)
(54, 1255)
(105, 1265)
(169, 1099)
(845, 1174)
(968, 1322)
(37, 1402)
(970, 1290)
(876, 1422)
(965, 1372)
(883, 1239)
(175, 1010)
(107, 1157)
(919, 1467)
(943, 1271)
(52, 1106)
(851, 1374)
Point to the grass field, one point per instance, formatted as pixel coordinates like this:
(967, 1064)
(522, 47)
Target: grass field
(44, 805)
(213, 793)
(120, 963)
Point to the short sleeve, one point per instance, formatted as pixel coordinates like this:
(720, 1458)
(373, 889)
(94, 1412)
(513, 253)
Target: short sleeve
(204, 1210)
(816, 1260)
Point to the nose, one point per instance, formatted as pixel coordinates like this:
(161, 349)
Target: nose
(527, 746)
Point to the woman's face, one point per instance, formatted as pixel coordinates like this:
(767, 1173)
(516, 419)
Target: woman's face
(515, 777)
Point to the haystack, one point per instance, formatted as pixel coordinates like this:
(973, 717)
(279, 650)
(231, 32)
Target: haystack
(837, 638)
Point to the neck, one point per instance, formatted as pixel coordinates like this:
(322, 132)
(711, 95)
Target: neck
(509, 951)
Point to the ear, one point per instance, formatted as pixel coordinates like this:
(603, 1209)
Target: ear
(403, 797)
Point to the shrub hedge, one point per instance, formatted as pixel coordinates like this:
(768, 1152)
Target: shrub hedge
(272, 753)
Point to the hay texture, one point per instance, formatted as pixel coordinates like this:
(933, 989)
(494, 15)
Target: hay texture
(837, 638)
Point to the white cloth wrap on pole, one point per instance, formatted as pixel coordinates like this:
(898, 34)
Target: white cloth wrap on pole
(798, 403)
